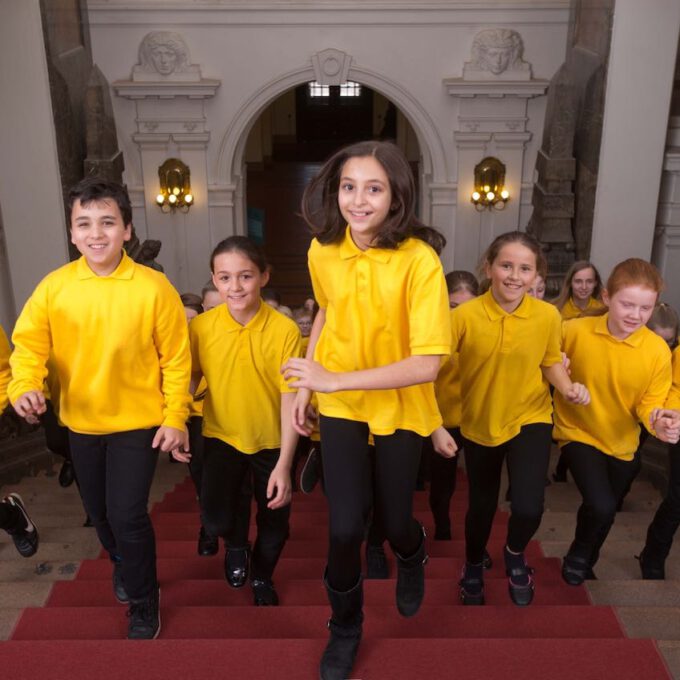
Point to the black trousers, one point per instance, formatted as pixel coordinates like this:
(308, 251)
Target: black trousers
(443, 473)
(56, 435)
(239, 536)
(603, 480)
(224, 471)
(11, 518)
(348, 478)
(528, 455)
(115, 472)
(667, 518)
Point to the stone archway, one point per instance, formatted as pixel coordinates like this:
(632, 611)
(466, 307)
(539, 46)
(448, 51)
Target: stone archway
(230, 172)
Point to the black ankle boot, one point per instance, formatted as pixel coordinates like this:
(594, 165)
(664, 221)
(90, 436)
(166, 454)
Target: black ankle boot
(345, 627)
(411, 579)
(652, 567)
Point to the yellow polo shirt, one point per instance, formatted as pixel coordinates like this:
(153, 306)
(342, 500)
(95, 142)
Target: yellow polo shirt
(242, 368)
(501, 356)
(382, 305)
(627, 379)
(447, 391)
(119, 346)
(571, 311)
(673, 400)
(5, 370)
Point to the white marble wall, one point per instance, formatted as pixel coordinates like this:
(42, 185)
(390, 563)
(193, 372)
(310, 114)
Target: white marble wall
(258, 51)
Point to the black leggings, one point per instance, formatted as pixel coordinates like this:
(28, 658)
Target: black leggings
(602, 480)
(224, 471)
(528, 455)
(443, 480)
(347, 471)
(667, 518)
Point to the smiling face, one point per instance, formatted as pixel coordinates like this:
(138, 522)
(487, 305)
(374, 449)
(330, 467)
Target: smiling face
(583, 284)
(239, 283)
(511, 274)
(629, 309)
(364, 198)
(98, 232)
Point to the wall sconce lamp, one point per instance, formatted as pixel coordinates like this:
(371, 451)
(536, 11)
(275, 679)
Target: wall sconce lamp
(175, 186)
(490, 191)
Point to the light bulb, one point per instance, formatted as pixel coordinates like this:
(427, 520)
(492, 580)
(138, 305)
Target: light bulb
(175, 191)
(188, 198)
(490, 195)
(172, 198)
(160, 199)
(487, 188)
(476, 196)
(505, 194)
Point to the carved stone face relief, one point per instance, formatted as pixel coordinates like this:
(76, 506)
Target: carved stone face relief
(164, 52)
(496, 50)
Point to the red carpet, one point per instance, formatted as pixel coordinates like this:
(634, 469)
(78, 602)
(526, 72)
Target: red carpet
(212, 631)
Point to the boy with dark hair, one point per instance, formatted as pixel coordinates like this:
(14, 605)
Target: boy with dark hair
(117, 336)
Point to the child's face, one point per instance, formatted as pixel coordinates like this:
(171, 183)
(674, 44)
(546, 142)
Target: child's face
(211, 299)
(190, 314)
(364, 198)
(459, 297)
(629, 309)
(667, 334)
(239, 283)
(537, 289)
(98, 232)
(305, 325)
(583, 284)
(511, 274)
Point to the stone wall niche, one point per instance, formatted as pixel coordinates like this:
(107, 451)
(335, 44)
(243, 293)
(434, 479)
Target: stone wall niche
(170, 95)
(493, 95)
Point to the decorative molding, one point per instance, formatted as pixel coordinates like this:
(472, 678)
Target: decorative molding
(204, 89)
(524, 89)
(331, 67)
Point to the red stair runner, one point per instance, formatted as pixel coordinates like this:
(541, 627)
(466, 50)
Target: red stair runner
(211, 631)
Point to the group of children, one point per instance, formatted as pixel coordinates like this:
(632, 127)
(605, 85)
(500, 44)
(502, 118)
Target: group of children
(396, 354)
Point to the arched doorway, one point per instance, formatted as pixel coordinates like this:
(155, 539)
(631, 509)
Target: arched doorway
(286, 146)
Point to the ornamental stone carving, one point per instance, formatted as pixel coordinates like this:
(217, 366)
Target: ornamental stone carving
(497, 54)
(331, 67)
(163, 55)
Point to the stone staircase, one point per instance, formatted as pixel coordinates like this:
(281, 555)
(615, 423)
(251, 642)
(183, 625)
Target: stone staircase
(646, 609)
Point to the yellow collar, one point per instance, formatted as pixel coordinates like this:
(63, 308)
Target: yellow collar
(257, 323)
(495, 311)
(349, 249)
(124, 270)
(634, 339)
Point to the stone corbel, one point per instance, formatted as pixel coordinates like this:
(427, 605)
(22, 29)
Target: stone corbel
(331, 66)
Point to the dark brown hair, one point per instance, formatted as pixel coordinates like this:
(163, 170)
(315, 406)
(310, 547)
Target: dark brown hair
(328, 224)
(462, 280)
(527, 240)
(192, 301)
(95, 189)
(243, 245)
(664, 316)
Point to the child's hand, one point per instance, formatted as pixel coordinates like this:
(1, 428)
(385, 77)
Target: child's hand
(309, 374)
(278, 488)
(182, 454)
(566, 362)
(443, 443)
(300, 412)
(666, 424)
(578, 394)
(170, 439)
(30, 405)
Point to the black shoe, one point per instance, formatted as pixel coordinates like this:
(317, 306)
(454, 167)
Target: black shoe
(25, 539)
(87, 522)
(472, 584)
(67, 474)
(145, 617)
(264, 593)
(520, 578)
(651, 569)
(559, 476)
(345, 626)
(236, 563)
(411, 579)
(575, 570)
(309, 476)
(207, 545)
(487, 562)
(117, 578)
(376, 562)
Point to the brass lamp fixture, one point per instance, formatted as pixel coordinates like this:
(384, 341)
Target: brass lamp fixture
(175, 186)
(490, 191)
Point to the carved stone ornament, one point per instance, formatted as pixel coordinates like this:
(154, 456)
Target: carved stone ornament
(163, 55)
(497, 55)
(331, 67)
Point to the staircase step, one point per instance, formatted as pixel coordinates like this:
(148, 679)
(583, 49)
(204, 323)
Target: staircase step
(635, 593)
(658, 623)
(297, 592)
(97, 623)
(557, 659)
